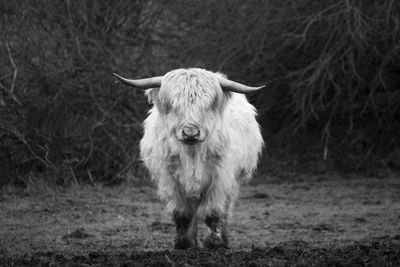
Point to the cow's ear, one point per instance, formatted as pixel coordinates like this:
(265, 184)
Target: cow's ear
(221, 98)
(220, 101)
(152, 95)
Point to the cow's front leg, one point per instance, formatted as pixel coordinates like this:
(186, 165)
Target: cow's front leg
(218, 238)
(186, 230)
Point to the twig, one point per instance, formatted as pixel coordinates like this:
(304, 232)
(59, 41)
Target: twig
(21, 137)
(127, 165)
(11, 91)
(90, 177)
(327, 134)
(14, 66)
(75, 181)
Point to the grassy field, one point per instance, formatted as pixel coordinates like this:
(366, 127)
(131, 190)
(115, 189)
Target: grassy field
(310, 221)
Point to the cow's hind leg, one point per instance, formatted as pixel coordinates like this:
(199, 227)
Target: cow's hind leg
(186, 231)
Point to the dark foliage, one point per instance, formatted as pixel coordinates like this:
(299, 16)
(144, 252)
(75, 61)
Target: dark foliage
(332, 70)
(60, 110)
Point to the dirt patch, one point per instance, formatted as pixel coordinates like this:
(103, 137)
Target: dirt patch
(318, 222)
(79, 233)
(375, 254)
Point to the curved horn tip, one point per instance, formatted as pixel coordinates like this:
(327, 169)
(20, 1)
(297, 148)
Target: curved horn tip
(116, 75)
(257, 88)
(140, 83)
(122, 79)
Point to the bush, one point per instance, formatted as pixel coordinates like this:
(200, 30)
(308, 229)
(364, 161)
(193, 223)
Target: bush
(332, 70)
(60, 110)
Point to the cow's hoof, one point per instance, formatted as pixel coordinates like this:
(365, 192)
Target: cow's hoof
(183, 243)
(213, 241)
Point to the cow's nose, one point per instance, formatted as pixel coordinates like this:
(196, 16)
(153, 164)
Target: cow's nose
(190, 133)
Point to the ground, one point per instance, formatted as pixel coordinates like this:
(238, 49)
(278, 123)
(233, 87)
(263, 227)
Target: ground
(308, 221)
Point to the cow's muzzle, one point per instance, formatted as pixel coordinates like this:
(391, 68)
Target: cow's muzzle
(190, 134)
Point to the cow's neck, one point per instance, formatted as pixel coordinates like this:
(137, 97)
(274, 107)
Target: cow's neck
(194, 174)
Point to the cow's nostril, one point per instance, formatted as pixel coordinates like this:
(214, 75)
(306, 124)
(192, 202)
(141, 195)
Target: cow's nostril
(191, 133)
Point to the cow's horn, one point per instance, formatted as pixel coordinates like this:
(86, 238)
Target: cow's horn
(229, 85)
(141, 83)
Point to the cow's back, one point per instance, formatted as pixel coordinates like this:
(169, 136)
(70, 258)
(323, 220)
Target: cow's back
(245, 137)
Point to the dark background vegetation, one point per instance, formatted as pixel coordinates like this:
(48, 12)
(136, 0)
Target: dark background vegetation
(332, 69)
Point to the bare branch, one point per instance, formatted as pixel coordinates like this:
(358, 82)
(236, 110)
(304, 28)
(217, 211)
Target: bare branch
(15, 73)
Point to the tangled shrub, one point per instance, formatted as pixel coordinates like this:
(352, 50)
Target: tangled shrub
(60, 111)
(332, 69)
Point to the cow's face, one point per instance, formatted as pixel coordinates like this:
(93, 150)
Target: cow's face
(190, 103)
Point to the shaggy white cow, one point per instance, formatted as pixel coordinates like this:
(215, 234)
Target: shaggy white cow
(201, 140)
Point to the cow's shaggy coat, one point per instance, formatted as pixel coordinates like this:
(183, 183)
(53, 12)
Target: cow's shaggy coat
(199, 181)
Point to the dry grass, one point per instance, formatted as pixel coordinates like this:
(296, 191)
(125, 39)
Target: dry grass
(317, 220)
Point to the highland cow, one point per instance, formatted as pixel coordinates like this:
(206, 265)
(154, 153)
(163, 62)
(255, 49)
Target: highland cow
(201, 141)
